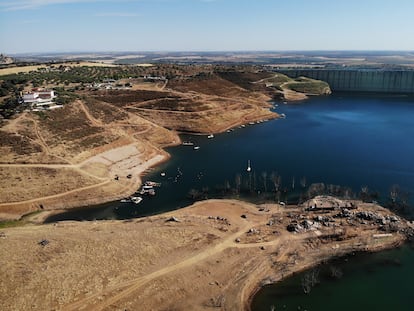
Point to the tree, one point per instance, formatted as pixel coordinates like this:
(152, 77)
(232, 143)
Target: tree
(309, 280)
(394, 192)
(238, 182)
(193, 194)
(303, 182)
(264, 176)
(276, 179)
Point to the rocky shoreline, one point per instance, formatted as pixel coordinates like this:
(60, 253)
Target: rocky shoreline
(215, 253)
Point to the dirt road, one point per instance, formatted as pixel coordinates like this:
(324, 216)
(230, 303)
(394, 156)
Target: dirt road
(206, 256)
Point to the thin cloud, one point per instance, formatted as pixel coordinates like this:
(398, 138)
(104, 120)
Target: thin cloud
(17, 5)
(117, 14)
(30, 21)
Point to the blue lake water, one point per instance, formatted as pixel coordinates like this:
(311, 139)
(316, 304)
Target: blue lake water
(349, 140)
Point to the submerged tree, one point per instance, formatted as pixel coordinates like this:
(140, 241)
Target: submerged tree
(309, 280)
(264, 176)
(394, 192)
(276, 179)
(303, 182)
(238, 181)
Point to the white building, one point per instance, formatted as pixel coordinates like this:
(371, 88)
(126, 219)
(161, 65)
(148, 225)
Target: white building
(39, 98)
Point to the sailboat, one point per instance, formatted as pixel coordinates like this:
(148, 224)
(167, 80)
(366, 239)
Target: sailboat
(248, 166)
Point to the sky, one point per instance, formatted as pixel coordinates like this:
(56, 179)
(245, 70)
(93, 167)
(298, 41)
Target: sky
(29, 26)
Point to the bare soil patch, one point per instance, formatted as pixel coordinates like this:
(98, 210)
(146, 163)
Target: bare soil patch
(201, 257)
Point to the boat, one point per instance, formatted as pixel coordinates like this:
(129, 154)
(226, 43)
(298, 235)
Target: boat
(283, 116)
(188, 143)
(248, 166)
(196, 147)
(146, 189)
(162, 174)
(126, 200)
(210, 136)
(136, 200)
(152, 183)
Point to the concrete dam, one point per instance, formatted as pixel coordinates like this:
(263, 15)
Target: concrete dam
(362, 80)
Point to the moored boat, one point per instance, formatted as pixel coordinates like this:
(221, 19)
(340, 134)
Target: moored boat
(188, 143)
(136, 200)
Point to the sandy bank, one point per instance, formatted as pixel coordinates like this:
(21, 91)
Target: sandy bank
(212, 254)
(130, 160)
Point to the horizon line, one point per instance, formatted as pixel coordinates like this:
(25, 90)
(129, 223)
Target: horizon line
(205, 51)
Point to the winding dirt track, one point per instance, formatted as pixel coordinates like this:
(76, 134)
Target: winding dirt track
(114, 294)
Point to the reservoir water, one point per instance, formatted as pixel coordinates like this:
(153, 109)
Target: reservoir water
(348, 140)
(380, 281)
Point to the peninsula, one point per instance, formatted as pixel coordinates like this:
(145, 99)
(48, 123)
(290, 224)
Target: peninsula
(214, 254)
(110, 123)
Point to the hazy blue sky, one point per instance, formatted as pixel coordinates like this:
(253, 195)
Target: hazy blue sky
(205, 25)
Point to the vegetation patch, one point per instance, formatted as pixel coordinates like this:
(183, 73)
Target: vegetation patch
(309, 86)
(69, 123)
(125, 98)
(105, 112)
(18, 144)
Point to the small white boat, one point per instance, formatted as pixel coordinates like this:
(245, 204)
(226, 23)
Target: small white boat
(210, 136)
(152, 184)
(126, 201)
(249, 168)
(136, 200)
(283, 116)
(196, 147)
(188, 143)
(163, 174)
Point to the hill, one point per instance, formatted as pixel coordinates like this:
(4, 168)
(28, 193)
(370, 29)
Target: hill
(101, 132)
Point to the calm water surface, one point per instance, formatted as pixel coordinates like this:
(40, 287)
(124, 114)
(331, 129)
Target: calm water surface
(346, 140)
(380, 281)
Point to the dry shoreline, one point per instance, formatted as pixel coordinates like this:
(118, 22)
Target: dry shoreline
(215, 253)
(107, 189)
(316, 261)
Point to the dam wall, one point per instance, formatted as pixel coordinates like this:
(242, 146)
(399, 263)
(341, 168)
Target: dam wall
(391, 81)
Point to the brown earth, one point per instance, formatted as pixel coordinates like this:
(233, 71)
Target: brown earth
(71, 156)
(201, 257)
(85, 145)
